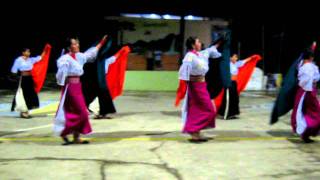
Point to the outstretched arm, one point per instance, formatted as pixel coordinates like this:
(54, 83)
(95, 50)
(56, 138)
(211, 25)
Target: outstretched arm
(102, 42)
(247, 59)
(91, 53)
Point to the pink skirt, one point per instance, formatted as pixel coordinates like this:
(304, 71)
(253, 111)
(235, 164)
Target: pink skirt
(305, 118)
(72, 115)
(200, 111)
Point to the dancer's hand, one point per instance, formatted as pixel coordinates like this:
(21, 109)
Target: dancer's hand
(46, 49)
(105, 37)
(102, 42)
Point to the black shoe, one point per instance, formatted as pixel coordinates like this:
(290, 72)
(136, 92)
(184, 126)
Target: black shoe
(102, 117)
(85, 142)
(66, 141)
(207, 138)
(81, 142)
(307, 140)
(232, 117)
(198, 140)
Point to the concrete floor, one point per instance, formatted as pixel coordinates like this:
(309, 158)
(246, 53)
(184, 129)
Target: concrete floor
(144, 141)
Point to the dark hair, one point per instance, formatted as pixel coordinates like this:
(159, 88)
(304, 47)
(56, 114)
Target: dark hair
(190, 42)
(307, 54)
(25, 49)
(68, 42)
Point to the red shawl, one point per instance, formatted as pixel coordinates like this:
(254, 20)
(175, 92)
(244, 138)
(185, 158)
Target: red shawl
(39, 70)
(117, 71)
(244, 75)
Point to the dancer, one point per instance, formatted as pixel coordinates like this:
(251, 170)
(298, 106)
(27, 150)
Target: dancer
(32, 72)
(230, 104)
(300, 82)
(102, 76)
(72, 115)
(198, 111)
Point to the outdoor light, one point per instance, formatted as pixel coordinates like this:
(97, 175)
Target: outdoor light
(190, 17)
(153, 16)
(132, 15)
(167, 16)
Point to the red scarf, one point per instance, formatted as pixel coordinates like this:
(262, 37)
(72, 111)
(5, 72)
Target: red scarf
(243, 78)
(39, 69)
(117, 71)
(73, 55)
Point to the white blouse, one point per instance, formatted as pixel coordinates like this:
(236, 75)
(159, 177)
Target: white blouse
(197, 63)
(234, 67)
(307, 75)
(68, 66)
(21, 64)
(109, 61)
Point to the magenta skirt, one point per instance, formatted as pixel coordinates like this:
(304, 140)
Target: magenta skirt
(200, 111)
(305, 120)
(76, 113)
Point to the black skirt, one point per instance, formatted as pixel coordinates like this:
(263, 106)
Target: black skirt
(29, 94)
(233, 108)
(91, 90)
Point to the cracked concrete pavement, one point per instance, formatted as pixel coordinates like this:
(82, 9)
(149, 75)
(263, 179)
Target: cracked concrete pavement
(144, 141)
